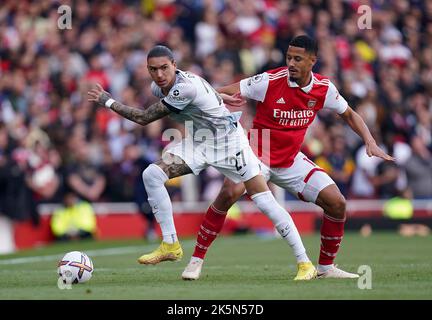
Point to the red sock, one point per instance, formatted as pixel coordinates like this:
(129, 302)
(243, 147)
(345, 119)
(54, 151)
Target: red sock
(213, 222)
(332, 231)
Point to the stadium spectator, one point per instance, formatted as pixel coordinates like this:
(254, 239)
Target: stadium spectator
(419, 170)
(362, 186)
(43, 161)
(125, 185)
(375, 178)
(337, 162)
(84, 178)
(389, 179)
(206, 32)
(75, 220)
(6, 147)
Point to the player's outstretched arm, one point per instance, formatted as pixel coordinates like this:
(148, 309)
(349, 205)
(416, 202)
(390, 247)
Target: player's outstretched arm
(235, 100)
(359, 126)
(141, 116)
(230, 89)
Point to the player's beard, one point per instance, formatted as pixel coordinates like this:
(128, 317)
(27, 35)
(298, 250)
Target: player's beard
(294, 78)
(298, 78)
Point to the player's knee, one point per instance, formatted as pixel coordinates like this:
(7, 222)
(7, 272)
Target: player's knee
(339, 207)
(146, 176)
(229, 195)
(332, 202)
(153, 176)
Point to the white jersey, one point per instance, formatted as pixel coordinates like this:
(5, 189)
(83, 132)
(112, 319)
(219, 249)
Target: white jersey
(214, 135)
(192, 99)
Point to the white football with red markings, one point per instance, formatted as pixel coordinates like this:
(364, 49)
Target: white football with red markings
(75, 267)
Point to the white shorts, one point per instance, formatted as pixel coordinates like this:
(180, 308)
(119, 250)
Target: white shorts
(235, 160)
(304, 179)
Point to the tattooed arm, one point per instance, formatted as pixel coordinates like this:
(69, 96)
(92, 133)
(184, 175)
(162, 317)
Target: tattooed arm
(141, 116)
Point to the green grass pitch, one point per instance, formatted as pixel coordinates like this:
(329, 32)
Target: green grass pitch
(237, 267)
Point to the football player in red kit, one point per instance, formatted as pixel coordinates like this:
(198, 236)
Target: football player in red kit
(288, 99)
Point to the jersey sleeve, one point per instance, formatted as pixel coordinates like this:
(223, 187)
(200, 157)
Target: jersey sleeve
(180, 95)
(255, 87)
(334, 101)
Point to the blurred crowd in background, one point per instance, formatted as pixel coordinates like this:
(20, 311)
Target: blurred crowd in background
(54, 143)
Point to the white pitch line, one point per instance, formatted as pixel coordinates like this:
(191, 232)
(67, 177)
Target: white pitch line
(90, 253)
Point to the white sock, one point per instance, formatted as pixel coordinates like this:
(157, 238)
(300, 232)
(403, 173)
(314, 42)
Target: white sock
(169, 238)
(154, 181)
(283, 223)
(321, 268)
(302, 257)
(195, 259)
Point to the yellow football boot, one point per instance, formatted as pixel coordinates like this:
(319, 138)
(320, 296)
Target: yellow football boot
(305, 271)
(165, 252)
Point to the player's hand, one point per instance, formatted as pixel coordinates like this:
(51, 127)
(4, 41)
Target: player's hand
(235, 100)
(372, 149)
(98, 95)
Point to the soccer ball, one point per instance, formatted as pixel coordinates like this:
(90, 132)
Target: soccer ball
(75, 267)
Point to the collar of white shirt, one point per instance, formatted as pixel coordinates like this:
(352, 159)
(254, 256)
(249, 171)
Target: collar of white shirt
(305, 89)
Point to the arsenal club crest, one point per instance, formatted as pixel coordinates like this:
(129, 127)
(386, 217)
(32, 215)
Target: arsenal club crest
(311, 103)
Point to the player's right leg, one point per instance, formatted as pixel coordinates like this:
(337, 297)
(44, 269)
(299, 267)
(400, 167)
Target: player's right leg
(211, 226)
(154, 178)
(215, 216)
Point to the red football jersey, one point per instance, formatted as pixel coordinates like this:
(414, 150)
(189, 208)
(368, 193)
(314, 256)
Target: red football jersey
(285, 111)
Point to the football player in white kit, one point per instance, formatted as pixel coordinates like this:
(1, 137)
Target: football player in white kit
(214, 138)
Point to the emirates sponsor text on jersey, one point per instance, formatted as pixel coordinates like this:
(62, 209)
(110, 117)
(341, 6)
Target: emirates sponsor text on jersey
(293, 118)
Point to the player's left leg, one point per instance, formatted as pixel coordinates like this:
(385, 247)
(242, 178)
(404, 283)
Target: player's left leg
(319, 188)
(263, 198)
(154, 178)
(311, 184)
